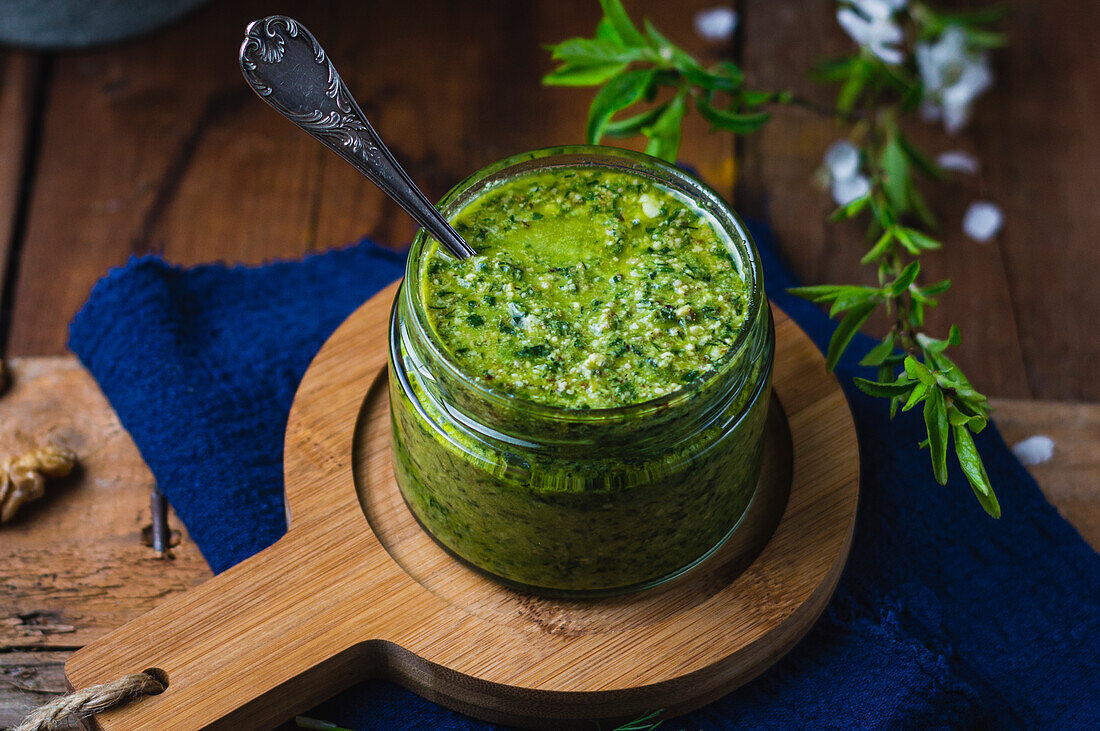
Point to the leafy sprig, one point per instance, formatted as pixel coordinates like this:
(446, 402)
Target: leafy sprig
(657, 81)
(636, 67)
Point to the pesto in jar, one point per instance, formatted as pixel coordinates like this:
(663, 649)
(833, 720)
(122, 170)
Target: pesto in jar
(580, 408)
(591, 289)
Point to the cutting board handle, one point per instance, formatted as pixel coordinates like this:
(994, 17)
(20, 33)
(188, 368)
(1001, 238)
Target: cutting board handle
(247, 650)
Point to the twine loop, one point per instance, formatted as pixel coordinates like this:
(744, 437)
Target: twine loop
(94, 699)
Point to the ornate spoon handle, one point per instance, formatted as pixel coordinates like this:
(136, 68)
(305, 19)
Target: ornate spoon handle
(287, 67)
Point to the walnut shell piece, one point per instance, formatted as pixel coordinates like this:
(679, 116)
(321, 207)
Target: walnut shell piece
(23, 478)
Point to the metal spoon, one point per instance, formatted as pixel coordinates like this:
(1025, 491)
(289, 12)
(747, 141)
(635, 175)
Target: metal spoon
(287, 67)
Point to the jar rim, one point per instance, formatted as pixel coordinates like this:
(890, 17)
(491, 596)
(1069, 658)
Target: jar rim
(579, 156)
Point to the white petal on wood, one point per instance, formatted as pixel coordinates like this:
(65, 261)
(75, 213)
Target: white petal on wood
(983, 220)
(1034, 450)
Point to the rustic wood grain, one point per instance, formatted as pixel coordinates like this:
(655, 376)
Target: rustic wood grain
(328, 604)
(157, 145)
(1069, 481)
(74, 563)
(780, 43)
(29, 679)
(19, 78)
(1037, 134)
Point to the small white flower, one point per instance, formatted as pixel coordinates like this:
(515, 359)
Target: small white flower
(849, 189)
(959, 161)
(842, 159)
(982, 221)
(871, 24)
(716, 24)
(1034, 450)
(954, 75)
(845, 179)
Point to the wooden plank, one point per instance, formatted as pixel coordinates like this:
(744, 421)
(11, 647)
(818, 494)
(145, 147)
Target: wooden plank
(29, 679)
(19, 79)
(77, 559)
(158, 146)
(1038, 137)
(781, 41)
(1071, 479)
(75, 565)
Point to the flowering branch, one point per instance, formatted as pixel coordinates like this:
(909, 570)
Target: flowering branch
(872, 173)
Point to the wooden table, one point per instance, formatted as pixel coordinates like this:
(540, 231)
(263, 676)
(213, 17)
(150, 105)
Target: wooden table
(157, 146)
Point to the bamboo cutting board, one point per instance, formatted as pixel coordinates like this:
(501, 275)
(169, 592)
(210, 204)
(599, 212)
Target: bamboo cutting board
(356, 590)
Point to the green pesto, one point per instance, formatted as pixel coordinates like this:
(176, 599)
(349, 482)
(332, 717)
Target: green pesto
(591, 289)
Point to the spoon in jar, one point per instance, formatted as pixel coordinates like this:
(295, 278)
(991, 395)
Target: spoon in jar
(287, 67)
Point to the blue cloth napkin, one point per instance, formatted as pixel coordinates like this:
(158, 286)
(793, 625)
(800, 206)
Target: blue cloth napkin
(944, 617)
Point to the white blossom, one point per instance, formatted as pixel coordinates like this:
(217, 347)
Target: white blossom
(954, 75)
(845, 179)
(1034, 450)
(958, 161)
(871, 24)
(842, 159)
(982, 221)
(716, 24)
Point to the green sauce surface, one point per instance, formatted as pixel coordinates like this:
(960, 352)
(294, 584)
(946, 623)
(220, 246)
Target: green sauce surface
(591, 289)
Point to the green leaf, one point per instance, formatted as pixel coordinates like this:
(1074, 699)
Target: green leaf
(691, 69)
(735, 122)
(937, 288)
(986, 38)
(919, 371)
(817, 292)
(877, 355)
(918, 393)
(571, 75)
(895, 169)
(850, 209)
(971, 463)
(859, 72)
(916, 313)
(605, 31)
(648, 722)
(878, 388)
(906, 240)
(846, 330)
(733, 72)
(592, 52)
(756, 98)
(616, 15)
(881, 247)
(907, 277)
(978, 16)
(664, 133)
(619, 93)
(920, 240)
(883, 215)
(935, 420)
(852, 295)
(633, 125)
(833, 69)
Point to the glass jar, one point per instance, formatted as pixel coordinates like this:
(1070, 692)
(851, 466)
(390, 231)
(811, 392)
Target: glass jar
(571, 501)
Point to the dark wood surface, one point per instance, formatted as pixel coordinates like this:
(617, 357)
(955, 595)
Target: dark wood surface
(156, 146)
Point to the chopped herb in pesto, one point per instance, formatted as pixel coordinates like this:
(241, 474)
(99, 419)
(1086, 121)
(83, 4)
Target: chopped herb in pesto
(602, 289)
